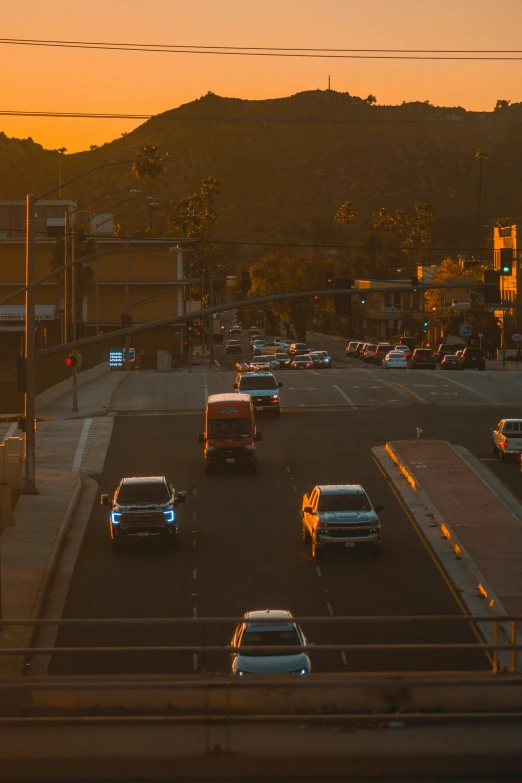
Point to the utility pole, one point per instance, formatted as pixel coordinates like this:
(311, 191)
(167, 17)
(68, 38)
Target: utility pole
(66, 279)
(179, 278)
(29, 401)
(73, 328)
(190, 327)
(211, 318)
(127, 301)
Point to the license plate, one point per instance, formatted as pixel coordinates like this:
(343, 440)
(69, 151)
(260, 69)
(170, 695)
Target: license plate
(259, 407)
(230, 459)
(349, 544)
(143, 534)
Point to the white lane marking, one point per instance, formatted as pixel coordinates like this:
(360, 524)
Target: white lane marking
(194, 542)
(195, 661)
(318, 571)
(194, 492)
(12, 429)
(474, 391)
(194, 612)
(343, 394)
(78, 457)
(343, 656)
(330, 610)
(294, 489)
(206, 389)
(288, 470)
(193, 516)
(195, 574)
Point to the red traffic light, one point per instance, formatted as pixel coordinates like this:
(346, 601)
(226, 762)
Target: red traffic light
(70, 361)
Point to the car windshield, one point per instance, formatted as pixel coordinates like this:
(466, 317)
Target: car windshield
(346, 502)
(275, 637)
(261, 382)
(144, 492)
(450, 358)
(228, 428)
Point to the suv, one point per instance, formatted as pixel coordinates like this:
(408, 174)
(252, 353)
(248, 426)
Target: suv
(298, 349)
(472, 357)
(422, 357)
(263, 389)
(340, 515)
(143, 507)
(234, 346)
(445, 349)
(381, 351)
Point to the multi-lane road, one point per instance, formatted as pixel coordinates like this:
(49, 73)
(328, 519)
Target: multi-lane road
(241, 546)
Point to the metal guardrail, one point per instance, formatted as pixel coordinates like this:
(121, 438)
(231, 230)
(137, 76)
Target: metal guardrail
(494, 648)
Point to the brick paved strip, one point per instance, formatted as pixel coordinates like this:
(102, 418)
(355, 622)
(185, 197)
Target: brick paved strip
(489, 533)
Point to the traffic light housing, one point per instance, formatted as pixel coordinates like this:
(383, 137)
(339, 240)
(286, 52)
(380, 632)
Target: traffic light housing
(363, 299)
(70, 360)
(492, 292)
(343, 302)
(506, 261)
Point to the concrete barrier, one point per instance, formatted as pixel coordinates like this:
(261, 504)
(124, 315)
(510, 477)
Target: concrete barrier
(59, 389)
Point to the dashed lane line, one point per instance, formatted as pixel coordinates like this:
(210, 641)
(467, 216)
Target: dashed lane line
(330, 609)
(474, 391)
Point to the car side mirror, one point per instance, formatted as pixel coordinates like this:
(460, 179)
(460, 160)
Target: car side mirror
(181, 497)
(104, 500)
(379, 508)
(259, 436)
(201, 437)
(279, 385)
(308, 510)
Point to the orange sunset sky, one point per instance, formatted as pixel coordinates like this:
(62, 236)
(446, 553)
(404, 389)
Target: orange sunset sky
(57, 79)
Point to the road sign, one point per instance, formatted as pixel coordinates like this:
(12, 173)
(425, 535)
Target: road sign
(465, 330)
(388, 309)
(516, 337)
(390, 315)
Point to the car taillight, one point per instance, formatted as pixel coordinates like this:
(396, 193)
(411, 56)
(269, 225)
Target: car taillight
(504, 444)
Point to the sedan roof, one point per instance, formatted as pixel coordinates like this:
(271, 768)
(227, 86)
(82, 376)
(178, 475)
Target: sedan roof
(341, 489)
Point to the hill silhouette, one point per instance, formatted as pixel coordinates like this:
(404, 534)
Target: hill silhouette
(286, 165)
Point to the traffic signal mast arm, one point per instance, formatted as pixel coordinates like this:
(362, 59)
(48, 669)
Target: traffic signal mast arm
(198, 314)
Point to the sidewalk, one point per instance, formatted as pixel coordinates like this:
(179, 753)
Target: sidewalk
(66, 447)
(483, 527)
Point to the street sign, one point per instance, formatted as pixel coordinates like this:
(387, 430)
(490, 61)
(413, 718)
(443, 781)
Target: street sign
(516, 337)
(390, 315)
(480, 334)
(116, 357)
(465, 330)
(388, 309)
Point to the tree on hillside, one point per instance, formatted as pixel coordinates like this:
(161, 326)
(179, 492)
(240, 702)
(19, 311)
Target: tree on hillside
(413, 229)
(282, 272)
(345, 215)
(501, 104)
(370, 99)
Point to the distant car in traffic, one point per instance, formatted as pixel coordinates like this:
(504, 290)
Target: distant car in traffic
(395, 360)
(368, 352)
(350, 348)
(143, 507)
(340, 515)
(283, 360)
(301, 363)
(234, 346)
(449, 362)
(263, 389)
(472, 359)
(269, 628)
(506, 438)
(264, 362)
(298, 348)
(380, 352)
(326, 359)
(405, 349)
(445, 349)
(422, 358)
(234, 330)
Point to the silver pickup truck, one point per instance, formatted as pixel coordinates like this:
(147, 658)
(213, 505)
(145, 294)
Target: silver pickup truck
(506, 438)
(340, 515)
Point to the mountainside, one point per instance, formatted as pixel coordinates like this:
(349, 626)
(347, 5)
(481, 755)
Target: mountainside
(286, 165)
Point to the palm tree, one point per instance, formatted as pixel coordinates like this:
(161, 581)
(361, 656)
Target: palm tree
(148, 167)
(481, 156)
(345, 215)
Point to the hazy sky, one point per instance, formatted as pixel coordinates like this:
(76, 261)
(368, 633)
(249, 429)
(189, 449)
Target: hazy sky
(36, 78)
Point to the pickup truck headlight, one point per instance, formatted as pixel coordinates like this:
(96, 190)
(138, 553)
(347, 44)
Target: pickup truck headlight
(115, 517)
(170, 516)
(210, 449)
(249, 447)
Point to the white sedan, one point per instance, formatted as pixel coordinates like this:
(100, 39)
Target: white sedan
(395, 360)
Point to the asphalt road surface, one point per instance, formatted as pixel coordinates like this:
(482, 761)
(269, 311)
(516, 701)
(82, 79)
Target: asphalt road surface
(241, 547)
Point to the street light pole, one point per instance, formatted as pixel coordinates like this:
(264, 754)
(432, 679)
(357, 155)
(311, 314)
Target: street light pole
(66, 279)
(211, 319)
(29, 400)
(127, 301)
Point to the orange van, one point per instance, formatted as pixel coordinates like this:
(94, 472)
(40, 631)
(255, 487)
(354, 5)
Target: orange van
(230, 432)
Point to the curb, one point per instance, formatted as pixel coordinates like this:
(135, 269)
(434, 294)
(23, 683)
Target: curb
(105, 409)
(459, 550)
(49, 571)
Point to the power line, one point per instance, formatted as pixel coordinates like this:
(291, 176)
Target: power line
(461, 122)
(350, 54)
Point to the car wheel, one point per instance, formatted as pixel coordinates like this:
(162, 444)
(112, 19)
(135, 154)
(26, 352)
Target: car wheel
(116, 544)
(317, 552)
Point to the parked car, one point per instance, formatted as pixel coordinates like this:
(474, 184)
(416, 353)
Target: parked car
(381, 351)
(350, 348)
(368, 353)
(422, 358)
(472, 358)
